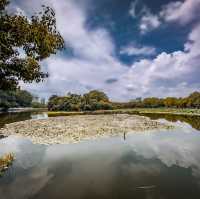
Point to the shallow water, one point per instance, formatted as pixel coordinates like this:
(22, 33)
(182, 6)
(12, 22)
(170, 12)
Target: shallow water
(11, 117)
(192, 120)
(151, 165)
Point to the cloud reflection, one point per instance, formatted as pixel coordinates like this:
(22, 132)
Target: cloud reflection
(105, 168)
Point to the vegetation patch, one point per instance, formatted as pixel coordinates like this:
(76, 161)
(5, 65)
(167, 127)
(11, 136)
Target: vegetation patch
(5, 162)
(97, 100)
(137, 111)
(75, 128)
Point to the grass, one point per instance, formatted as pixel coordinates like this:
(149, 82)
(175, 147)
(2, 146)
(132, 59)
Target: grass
(99, 112)
(5, 162)
(173, 111)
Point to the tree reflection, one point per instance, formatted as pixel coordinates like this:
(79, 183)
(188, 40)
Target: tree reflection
(192, 120)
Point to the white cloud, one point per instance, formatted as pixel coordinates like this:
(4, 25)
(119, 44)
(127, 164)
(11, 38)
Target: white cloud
(148, 21)
(138, 50)
(95, 63)
(94, 60)
(181, 11)
(173, 74)
(132, 10)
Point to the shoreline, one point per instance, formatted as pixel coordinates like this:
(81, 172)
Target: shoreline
(23, 109)
(73, 129)
(137, 111)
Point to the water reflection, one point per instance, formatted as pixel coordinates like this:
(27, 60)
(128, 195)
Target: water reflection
(6, 118)
(146, 165)
(194, 121)
(39, 116)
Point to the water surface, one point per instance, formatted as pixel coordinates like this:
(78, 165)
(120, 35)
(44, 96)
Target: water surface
(152, 165)
(10, 117)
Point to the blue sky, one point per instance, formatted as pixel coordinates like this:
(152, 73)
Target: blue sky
(128, 49)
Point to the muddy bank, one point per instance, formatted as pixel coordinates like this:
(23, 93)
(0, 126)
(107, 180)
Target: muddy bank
(71, 129)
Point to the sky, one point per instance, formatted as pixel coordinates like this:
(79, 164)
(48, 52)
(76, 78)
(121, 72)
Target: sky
(128, 49)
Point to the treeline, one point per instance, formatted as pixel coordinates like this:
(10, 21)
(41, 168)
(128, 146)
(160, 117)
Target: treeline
(15, 98)
(97, 100)
(94, 100)
(18, 98)
(191, 101)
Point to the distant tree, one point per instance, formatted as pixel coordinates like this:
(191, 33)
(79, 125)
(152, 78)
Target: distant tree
(94, 100)
(97, 100)
(153, 102)
(52, 102)
(37, 36)
(182, 102)
(16, 98)
(97, 95)
(72, 102)
(38, 105)
(170, 102)
(23, 98)
(193, 100)
(53, 97)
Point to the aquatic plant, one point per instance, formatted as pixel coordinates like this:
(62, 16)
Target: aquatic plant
(5, 162)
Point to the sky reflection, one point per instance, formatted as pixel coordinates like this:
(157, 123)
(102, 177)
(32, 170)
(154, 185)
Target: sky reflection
(167, 160)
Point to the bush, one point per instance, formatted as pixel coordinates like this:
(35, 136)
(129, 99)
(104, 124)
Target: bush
(97, 100)
(94, 100)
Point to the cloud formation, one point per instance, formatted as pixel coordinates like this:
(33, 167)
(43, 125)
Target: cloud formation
(94, 61)
(148, 21)
(181, 11)
(168, 73)
(132, 10)
(138, 50)
(95, 64)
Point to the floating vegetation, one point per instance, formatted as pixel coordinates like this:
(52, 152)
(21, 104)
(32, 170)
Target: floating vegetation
(73, 129)
(5, 162)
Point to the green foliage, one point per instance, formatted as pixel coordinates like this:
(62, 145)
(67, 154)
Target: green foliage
(94, 100)
(5, 162)
(17, 98)
(193, 120)
(23, 98)
(38, 105)
(97, 100)
(153, 102)
(170, 102)
(194, 100)
(37, 37)
(96, 95)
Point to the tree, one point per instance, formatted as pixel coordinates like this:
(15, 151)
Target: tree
(170, 102)
(153, 102)
(94, 100)
(194, 100)
(96, 95)
(16, 98)
(23, 98)
(37, 37)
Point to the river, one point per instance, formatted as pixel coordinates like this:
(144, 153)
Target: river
(151, 165)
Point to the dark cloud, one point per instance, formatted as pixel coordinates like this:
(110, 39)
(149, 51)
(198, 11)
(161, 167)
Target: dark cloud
(111, 80)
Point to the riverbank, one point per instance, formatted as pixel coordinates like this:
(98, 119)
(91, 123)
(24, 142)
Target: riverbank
(172, 111)
(71, 129)
(23, 109)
